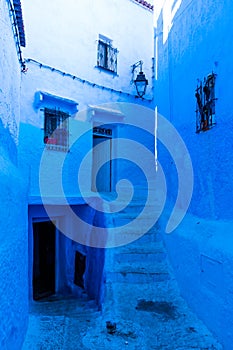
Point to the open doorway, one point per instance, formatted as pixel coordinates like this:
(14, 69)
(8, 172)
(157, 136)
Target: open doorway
(44, 238)
(79, 269)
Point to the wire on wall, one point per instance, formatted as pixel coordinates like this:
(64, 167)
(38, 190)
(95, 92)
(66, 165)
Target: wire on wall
(74, 77)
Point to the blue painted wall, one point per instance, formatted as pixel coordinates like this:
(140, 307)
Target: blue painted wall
(13, 218)
(21, 134)
(199, 43)
(85, 84)
(31, 148)
(65, 253)
(201, 248)
(14, 257)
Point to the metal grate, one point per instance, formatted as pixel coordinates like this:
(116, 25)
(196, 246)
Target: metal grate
(205, 96)
(107, 57)
(56, 127)
(19, 21)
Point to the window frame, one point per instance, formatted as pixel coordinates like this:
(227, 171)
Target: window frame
(205, 103)
(56, 129)
(109, 60)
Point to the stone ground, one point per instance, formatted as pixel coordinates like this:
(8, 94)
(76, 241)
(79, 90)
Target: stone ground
(146, 307)
(142, 299)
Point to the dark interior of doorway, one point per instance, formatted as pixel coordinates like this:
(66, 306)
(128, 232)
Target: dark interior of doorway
(80, 266)
(44, 234)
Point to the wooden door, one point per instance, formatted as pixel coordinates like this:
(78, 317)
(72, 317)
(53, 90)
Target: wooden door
(101, 180)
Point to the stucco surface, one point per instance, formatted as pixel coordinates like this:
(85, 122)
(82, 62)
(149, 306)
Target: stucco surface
(192, 41)
(13, 218)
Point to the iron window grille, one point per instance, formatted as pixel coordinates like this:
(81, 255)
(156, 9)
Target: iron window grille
(205, 101)
(107, 56)
(56, 129)
(102, 131)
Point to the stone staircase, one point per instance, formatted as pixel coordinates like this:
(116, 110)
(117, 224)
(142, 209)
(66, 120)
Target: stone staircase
(142, 296)
(140, 264)
(138, 269)
(142, 299)
(144, 259)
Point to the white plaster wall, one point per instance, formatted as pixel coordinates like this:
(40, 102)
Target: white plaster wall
(31, 145)
(64, 34)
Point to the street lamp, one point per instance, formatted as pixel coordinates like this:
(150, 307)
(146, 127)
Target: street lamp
(140, 82)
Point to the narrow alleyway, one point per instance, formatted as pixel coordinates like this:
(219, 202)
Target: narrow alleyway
(142, 303)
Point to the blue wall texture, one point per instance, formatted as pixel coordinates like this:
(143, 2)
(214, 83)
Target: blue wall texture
(13, 218)
(201, 248)
(65, 253)
(13, 252)
(22, 146)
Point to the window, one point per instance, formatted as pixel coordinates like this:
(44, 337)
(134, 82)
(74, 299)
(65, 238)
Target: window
(205, 96)
(107, 55)
(56, 129)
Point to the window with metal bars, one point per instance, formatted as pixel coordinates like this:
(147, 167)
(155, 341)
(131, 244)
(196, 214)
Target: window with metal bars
(56, 129)
(107, 56)
(205, 99)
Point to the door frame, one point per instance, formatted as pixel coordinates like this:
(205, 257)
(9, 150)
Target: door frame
(107, 137)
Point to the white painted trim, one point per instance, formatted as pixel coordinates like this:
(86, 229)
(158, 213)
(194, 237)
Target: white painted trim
(41, 96)
(101, 109)
(104, 115)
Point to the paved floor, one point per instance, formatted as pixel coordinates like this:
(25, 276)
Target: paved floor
(71, 324)
(148, 315)
(142, 299)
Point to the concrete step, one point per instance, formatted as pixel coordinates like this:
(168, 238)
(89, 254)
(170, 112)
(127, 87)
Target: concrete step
(123, 219)
(138, 272)
(139, 238)
(150, 246)
(131, 257)
(134, 229)
(140, 267)
(132, 207)
(138, 277)
(151, 291)
(152, 243)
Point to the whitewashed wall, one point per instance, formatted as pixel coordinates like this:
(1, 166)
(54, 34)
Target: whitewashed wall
(65, 34)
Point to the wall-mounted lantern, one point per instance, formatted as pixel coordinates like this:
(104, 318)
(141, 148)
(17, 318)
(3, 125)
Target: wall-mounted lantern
(140, 82)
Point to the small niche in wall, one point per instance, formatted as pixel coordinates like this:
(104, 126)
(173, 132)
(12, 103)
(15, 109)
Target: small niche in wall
(79, 269)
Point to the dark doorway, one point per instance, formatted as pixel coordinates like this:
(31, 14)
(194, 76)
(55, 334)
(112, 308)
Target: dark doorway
(44, 234)
(80, 266)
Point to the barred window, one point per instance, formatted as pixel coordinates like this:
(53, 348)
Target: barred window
(205, 100)
(56, 127)
(107, 56)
